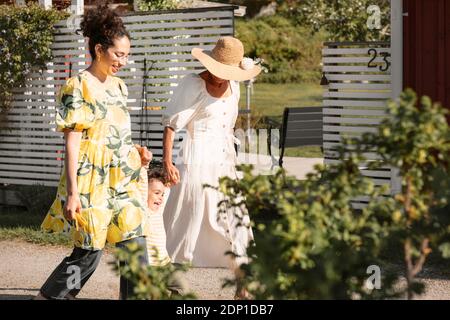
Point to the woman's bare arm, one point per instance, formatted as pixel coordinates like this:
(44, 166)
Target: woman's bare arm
(171, 170)
(168, 138)
(73, 204)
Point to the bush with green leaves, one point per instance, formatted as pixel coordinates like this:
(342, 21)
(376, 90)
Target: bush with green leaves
(25, 45)
(312, 244)
(153, 5)
(151, 282)
(291, 52)
(36, 198)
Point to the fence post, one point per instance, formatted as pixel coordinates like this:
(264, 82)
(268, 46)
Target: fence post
(247, 104)
(77, 7)
(396, 70)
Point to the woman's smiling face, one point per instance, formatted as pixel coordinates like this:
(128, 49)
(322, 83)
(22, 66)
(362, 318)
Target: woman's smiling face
(115, 57)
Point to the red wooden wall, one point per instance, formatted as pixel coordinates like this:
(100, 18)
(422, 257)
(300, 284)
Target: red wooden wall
(426, 48)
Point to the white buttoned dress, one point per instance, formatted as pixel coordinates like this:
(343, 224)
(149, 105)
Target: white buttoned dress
(197, 232)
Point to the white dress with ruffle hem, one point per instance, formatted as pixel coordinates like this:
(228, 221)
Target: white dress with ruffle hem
(197, 232)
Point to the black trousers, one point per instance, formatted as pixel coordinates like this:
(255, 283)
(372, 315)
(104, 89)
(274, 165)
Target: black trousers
(74, 271)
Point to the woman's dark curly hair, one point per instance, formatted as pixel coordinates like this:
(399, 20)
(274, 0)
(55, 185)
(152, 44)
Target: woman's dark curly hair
(102, 25)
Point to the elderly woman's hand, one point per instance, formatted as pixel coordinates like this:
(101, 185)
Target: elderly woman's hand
(146, 155)
(172, 173)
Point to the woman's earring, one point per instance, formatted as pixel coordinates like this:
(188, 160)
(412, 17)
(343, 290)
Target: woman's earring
(99, 58)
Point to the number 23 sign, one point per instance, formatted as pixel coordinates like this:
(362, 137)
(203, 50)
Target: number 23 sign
(382, 67)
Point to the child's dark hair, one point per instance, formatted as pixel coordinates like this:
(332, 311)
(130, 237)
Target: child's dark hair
(102, 25)
(157, 173)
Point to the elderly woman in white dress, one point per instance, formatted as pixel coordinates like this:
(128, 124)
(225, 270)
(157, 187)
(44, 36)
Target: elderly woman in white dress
(206, 106)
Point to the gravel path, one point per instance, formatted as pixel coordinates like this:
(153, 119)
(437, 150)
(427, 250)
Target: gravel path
(296, 166)
(24, 267)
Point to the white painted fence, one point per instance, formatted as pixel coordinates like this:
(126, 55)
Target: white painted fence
(31, 151)
(354, 102)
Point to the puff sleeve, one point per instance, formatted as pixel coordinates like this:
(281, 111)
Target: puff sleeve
(185, 102)
(123, 88)
(75, 106)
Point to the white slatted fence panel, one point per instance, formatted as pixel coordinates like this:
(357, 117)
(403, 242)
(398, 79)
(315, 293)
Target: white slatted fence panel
(355, 99)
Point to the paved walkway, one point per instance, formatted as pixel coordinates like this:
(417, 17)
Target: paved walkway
(296, 166)
(24, 267)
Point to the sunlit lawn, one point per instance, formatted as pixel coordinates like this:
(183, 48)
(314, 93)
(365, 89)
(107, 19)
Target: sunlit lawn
(17, 223)
(271, 99)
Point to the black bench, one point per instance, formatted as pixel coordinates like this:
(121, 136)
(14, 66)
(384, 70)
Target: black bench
(301, 126)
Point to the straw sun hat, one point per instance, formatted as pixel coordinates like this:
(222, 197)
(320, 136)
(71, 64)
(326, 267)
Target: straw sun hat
(227, 61)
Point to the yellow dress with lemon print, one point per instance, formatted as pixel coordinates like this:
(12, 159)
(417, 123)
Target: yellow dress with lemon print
(108, 166)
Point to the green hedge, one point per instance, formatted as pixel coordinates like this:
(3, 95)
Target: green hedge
(25, 45)
(292, 53)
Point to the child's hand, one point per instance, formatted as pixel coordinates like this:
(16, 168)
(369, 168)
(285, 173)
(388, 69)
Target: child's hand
(146, 155)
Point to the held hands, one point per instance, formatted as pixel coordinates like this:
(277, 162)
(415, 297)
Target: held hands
(146, 155)
(173, 175)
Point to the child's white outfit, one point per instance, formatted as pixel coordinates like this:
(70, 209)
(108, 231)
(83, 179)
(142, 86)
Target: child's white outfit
(156, 240)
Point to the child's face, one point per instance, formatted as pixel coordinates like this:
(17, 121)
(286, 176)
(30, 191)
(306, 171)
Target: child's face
(155, 194)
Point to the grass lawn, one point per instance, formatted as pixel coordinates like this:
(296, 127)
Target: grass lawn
(304, 152)
(17, 223)
(269, 100)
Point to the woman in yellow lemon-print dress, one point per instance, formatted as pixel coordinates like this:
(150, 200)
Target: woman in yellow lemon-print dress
(108, 167)
(98, 199)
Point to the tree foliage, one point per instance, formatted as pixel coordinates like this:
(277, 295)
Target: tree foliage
(150, 282)
(26, 36)
(291, 52)
(344, 20)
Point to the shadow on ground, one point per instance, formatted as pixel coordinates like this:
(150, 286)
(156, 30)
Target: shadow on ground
(11, 296)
